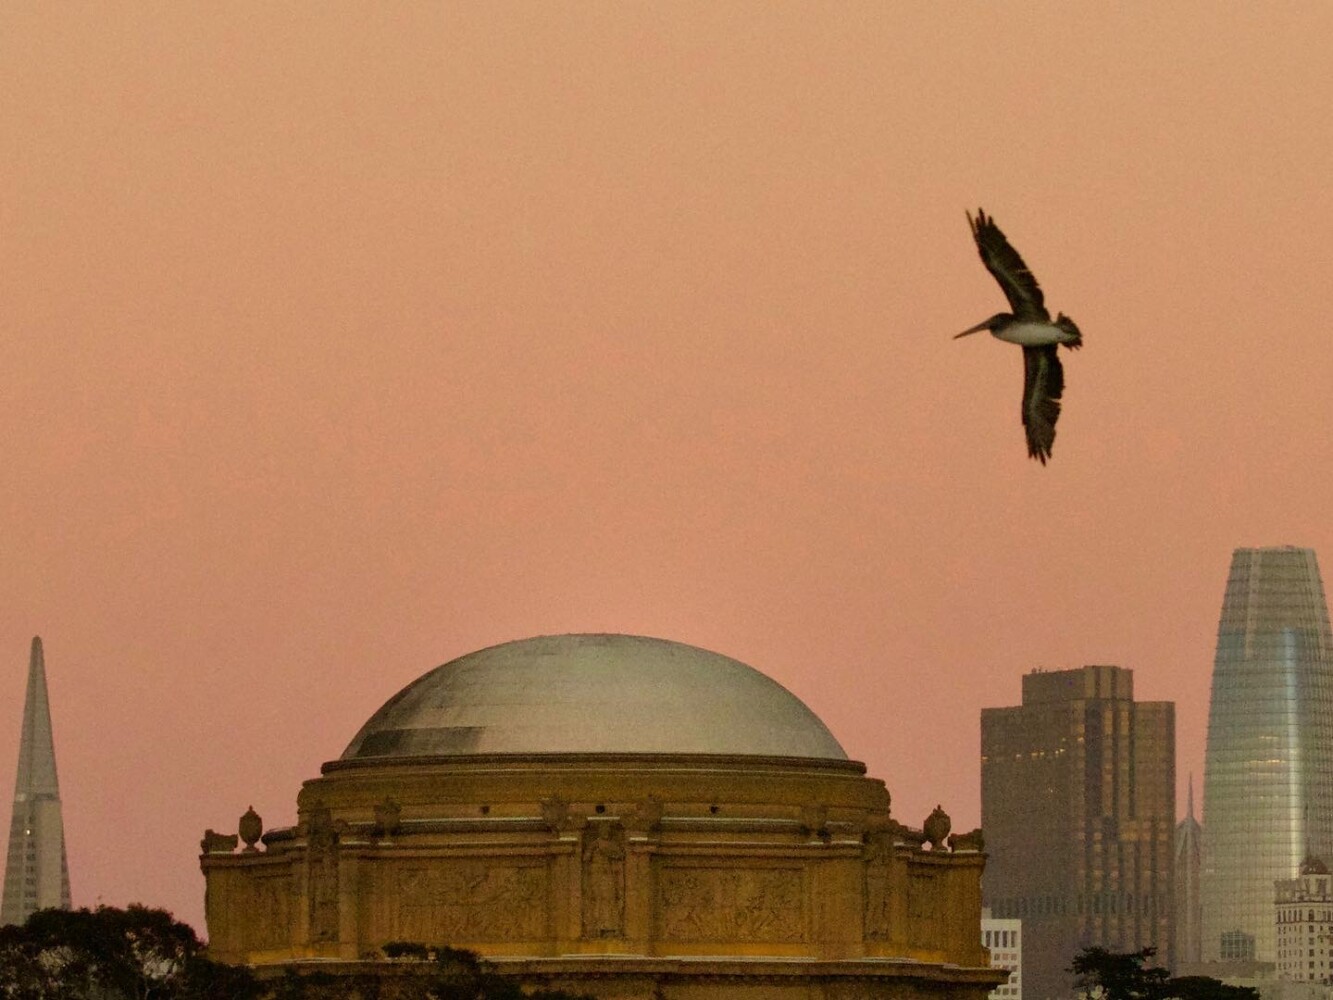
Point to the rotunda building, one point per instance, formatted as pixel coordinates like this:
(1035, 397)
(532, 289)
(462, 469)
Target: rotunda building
(612, 814)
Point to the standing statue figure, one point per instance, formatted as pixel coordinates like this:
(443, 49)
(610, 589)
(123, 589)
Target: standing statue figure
(604, 882)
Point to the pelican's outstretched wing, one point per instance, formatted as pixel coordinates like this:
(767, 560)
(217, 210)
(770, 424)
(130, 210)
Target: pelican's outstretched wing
(1043, 384)
(1007, 267)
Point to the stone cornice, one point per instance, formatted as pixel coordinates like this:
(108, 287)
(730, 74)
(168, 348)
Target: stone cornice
(620, 761)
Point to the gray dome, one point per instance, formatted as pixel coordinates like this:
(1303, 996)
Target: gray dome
(594, 694)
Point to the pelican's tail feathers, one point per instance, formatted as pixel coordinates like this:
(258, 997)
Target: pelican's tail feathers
(1068, 327)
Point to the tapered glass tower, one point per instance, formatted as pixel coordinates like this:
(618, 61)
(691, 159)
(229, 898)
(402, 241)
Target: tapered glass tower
(36, 874)
(1268, 770)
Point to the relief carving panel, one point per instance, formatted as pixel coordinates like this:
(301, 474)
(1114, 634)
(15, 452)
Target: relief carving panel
(729, 904)
(448, 902)
(267, 922)
(923, 909)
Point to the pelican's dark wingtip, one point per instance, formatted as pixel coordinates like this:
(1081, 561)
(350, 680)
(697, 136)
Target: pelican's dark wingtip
(1040, 450)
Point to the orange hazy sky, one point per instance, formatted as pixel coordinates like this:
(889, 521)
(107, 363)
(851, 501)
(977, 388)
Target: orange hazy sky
(343, 339)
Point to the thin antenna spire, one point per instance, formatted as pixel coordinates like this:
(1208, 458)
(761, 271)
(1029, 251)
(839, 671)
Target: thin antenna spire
(1305, 829)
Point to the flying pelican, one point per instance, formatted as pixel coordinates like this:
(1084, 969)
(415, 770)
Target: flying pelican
(1030, 326)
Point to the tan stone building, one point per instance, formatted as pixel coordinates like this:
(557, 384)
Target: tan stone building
(625, 816)
(1304, 911)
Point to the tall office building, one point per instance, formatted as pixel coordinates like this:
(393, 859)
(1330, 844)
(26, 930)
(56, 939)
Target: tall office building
(36, 875)
(1268, 769)
(1189, 904)
(1078, 805)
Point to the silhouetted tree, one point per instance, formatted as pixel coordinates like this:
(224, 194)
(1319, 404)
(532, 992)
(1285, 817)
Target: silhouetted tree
(1206, 988)
(443, 973)
(141, 953)
(137, 953)
(1116, 975)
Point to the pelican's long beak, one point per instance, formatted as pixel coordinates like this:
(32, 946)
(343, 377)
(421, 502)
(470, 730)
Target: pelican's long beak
(983, 325)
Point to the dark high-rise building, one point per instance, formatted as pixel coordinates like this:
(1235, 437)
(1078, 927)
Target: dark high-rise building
(1268, 770)
(1189, 905)
(1078, 805)
(36, 874)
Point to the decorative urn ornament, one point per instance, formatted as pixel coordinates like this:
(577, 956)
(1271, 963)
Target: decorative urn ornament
(936, 828)
(251, 829)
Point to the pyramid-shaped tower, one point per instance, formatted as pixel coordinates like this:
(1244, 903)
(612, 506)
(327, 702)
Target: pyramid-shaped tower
(36, 875)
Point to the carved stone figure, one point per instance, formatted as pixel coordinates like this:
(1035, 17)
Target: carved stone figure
(218, 843)
(971, 841)
(604, 882)
(322, 862)
(645, 816)
(388, 817)
(878, 852)
(904, 834)
(555, 812)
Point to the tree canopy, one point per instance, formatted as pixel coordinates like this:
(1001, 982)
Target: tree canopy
(1117, 975)
(136, 953)
(140, 953)
(452, 974)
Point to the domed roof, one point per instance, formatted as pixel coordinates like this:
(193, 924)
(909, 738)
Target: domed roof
(593, 694)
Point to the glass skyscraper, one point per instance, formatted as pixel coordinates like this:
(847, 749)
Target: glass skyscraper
(1268, 770)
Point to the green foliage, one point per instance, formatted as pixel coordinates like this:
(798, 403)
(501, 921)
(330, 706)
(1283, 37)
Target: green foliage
(1207, 988)
(1118, 975)
(453, 974)
(1114, 975)
(145, 954)
(406, 949)
(109, 953)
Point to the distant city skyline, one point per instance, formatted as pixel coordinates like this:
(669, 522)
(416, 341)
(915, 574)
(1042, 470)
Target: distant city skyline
(36, 869)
